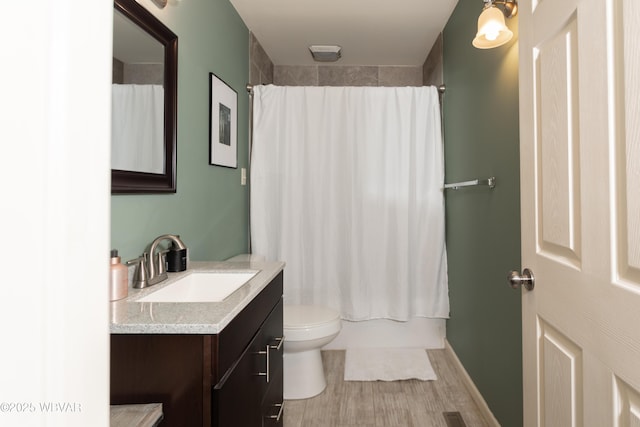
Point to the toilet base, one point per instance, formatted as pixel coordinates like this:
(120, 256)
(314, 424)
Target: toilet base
(303, 374)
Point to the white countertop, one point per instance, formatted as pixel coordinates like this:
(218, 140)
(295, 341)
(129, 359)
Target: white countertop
(139, 415)
(131, 317)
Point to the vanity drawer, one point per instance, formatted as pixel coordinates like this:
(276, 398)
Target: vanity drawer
(236, 398)
(272, 344)
(230, 344)
(239, 397)
(273, 403)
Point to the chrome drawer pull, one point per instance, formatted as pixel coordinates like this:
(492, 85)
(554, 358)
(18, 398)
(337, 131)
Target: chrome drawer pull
(277, 417)
(279, 346)
(265, 352)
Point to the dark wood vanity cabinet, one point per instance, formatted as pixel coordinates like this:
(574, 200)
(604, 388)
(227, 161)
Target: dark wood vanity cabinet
(256, 378)
(233, 378)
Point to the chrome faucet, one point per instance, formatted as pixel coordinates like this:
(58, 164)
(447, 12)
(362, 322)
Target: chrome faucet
(151, 266)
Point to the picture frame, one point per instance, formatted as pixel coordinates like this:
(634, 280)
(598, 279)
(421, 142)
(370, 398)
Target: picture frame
(223, 123)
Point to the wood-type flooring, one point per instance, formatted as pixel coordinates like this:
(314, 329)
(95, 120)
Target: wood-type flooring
(409, 403)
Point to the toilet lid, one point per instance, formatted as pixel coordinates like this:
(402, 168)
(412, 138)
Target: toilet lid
(304, 316)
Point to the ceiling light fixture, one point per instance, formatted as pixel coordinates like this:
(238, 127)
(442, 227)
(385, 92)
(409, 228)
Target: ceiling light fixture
(325, 53)
(492, 30)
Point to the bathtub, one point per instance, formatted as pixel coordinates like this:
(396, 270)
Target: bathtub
(419, 332)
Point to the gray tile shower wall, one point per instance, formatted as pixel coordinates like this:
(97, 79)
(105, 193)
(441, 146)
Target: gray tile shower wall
(137, 73)
(296, 75)
(432, 70)
(400, 76)
(118, 71)
(352, 75)
(263, 71)
(347, 75)
(143, 74)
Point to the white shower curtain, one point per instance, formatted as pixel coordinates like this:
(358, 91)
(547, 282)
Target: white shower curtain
(137, 128)
(346, 188)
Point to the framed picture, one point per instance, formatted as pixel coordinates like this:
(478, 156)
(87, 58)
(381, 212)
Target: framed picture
(223, 123)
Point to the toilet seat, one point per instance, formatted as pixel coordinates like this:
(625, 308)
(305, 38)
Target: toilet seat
(308, 322)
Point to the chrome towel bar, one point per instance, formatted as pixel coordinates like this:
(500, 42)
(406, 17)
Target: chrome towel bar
(491, 182)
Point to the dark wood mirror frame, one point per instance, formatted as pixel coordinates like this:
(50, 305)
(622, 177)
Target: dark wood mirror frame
(123, 182)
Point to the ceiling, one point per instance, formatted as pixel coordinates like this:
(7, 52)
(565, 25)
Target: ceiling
(132, 44)
(370, 32)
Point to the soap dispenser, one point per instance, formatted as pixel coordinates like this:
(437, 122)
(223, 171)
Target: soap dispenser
(118, 278)
(176, 258)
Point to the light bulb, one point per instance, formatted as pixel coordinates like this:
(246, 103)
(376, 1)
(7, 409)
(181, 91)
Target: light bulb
(492, 33)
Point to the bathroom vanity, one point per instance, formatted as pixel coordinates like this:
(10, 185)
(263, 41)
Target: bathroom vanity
(208, 363)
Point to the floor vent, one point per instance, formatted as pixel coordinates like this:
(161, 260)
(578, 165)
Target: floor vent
(454, 419)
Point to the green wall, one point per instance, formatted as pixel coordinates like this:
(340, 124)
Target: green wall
(210, 208)
(483, 225)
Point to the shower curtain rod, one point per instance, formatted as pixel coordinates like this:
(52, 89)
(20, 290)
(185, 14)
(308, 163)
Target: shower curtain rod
(441, 88)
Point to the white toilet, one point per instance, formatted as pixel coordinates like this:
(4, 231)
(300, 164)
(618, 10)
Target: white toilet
(307, 328)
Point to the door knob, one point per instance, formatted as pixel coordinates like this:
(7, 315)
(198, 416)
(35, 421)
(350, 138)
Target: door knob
(526, 278)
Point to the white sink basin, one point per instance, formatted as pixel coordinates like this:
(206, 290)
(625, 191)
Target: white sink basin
(201, 287)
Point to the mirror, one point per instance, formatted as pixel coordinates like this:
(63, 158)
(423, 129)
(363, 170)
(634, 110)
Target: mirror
(144, 112)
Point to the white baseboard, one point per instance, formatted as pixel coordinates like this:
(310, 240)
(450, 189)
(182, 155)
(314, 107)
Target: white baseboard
(473, 390)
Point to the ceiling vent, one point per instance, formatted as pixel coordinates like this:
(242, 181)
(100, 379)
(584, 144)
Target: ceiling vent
(325, 53)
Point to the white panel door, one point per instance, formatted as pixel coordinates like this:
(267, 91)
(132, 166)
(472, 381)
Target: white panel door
(580, 186)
